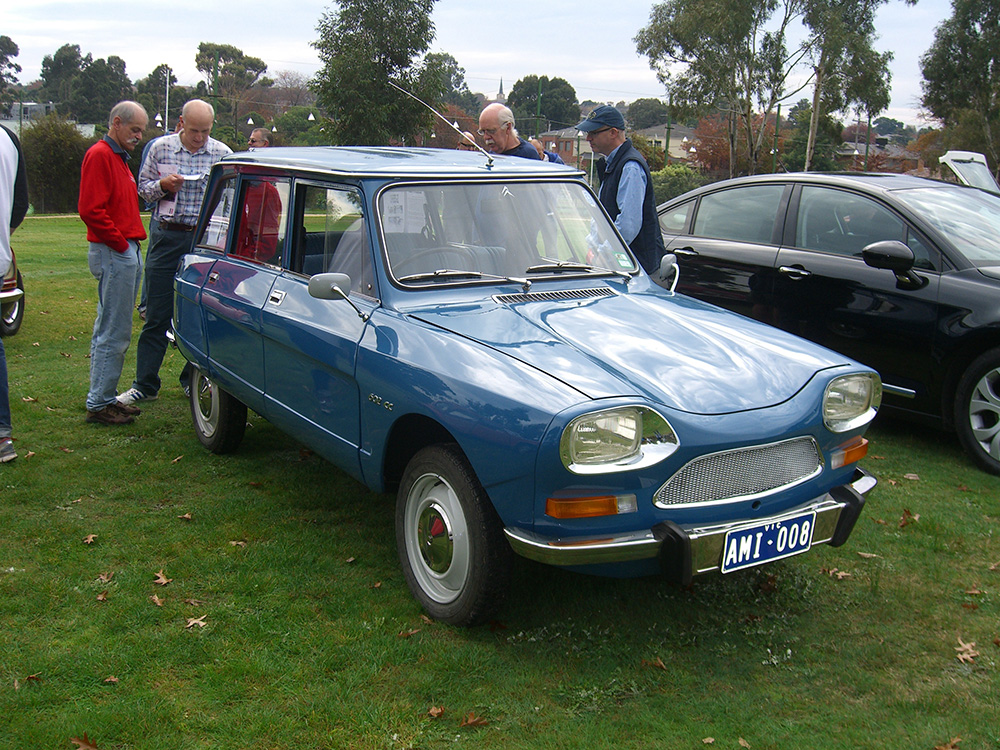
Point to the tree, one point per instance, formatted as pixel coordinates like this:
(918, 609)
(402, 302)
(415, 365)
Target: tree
(674, 180)
(645, 113)
(8, 70)
(152, 90)
(53, 152)
(452, 81)
(962, 69)
(231, 75)
(826, 142)
(729, 52)
(559, 107)
(650, 151)
(365, 47)
(100, 85)
(60, 72)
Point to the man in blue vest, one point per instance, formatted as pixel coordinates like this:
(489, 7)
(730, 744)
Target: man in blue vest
(626, 185)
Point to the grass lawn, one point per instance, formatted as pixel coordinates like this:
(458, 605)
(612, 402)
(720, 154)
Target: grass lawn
(286, 623)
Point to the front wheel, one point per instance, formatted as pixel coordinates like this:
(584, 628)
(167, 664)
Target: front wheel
(450, 540)
(12, 313)
(977, 411)
(219, 419)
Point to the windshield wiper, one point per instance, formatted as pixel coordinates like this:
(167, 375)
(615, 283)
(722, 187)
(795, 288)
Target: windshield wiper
(566, 266)
(453, 273)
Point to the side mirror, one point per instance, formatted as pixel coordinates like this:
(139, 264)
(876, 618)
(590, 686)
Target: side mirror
(334, 286)
(893, 255)
(669, 271)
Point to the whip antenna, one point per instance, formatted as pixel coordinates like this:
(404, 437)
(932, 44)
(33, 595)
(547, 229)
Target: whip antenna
(442, 118)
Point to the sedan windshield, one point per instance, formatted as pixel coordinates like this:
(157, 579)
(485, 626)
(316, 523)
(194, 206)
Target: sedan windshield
(969, 218)
(497, 230)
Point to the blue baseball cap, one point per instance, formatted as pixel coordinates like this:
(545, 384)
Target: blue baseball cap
(604, 116)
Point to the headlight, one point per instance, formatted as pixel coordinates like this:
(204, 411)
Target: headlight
(615, 439)
(851, 401)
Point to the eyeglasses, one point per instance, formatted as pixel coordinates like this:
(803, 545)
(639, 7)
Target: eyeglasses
(491, 131)
(254, 142)
(602, 130)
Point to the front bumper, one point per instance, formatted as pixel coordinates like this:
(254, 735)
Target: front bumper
(11, 295)
(688, 551)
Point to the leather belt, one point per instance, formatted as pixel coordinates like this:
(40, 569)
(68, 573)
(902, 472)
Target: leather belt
(171, 226)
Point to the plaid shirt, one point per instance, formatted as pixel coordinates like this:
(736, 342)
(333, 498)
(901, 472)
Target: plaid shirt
(168, 156)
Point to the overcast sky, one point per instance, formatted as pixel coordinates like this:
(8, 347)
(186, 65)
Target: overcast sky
(587, 42)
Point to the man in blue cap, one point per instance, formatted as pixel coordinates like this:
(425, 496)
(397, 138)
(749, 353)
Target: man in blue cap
(626, 185)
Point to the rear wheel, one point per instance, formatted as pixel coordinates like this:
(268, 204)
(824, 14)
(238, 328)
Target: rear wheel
(219, 419)
(12, 313)
(977, 411)
(450, 540)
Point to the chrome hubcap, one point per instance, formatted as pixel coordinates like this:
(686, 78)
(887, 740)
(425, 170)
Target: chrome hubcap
(984, 413)
(434, 538)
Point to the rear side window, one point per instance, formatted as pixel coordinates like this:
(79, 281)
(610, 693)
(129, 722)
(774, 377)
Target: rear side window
(215, 233)
(744, 214)
(675, 220)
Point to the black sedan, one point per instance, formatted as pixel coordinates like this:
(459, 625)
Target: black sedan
(899, 272)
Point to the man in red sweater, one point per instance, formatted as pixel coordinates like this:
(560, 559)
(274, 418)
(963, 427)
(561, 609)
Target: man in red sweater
(109, 206)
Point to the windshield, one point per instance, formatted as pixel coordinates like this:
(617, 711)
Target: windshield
(974, 173)
(969, 218)
(469, 231)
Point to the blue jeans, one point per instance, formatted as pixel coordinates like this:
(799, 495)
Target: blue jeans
(117, 277)
(4, 396)
(165, 250)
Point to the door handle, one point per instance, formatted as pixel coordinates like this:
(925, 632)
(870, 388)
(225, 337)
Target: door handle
(685, 252)
(213, 277)
(276, 297)
(795, 273)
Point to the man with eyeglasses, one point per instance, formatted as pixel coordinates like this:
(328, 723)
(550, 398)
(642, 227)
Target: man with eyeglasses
(496, 125)
(626, 185)
(259, 138)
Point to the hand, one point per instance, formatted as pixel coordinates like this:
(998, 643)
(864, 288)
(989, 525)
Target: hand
(171, 183)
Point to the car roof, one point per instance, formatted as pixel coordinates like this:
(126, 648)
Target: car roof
(387, 161)
(873, 182)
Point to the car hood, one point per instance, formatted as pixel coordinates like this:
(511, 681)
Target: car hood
(676, 351)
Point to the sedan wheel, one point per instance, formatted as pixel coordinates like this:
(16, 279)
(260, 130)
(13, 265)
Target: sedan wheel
(219, 419)
(450, 540)
(12, 313)
(977, 411)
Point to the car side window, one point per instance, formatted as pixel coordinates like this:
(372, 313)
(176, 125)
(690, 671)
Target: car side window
(331, 236)
(219, 208)
(744, 214)
(836, 221)
(263, 210)
(675, 220)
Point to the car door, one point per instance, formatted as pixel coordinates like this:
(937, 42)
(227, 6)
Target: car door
(310, 345)
(728, 256)
(239, 285)
(824, 290)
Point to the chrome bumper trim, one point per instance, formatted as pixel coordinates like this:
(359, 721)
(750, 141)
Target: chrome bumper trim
(703, 542)
(12, 296)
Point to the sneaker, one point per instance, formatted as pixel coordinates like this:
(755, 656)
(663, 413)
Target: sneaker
(133, 411)
(7, 452)
(134, 395)
(110, 414)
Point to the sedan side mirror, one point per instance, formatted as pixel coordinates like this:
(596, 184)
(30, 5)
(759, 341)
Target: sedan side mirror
(893, 255)
(334, 286)
(669, 271)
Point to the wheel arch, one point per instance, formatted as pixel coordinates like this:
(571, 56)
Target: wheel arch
(956, 362)
(408, 435)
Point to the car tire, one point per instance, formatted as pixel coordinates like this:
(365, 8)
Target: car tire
(977, 411)
(450, 539)
(12, 313)
(219, 419)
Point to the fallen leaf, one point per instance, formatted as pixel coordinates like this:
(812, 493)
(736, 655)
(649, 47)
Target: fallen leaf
(106, 577)
(377, 585)
(199, 621)
(471, 720)
(842, 574)
(952, 745)
(893, 482)
(867, 555)
(426, 620)
(408, 633)
(973, 592)
(185, 517)
(103, 596)
(17, 685)
(112, 680)
(877, 458)
(33, 678)
(28, 399)
(194, 602)
(89, 539)
(908, 518)
(966, 651)
(971, 606)
(66, 354)
(995, 566)
(349, 560)
(912, 477)
(708, 741)
(237, 543)
(64, 450)
(156, 600)
(657, 663)
(72, 338)
(435, 712)
(963, 488)
(161, 579)
(881, 521)
(29, 454)
(744, 743)
(85, 743)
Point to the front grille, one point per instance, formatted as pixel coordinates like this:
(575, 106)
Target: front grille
(742, 473)
(553, 296)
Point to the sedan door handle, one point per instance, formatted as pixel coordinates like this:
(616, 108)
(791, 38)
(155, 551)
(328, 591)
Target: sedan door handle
(685, 252)
(794, 272)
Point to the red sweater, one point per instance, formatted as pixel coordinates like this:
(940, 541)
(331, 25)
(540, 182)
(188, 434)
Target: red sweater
(109, 199)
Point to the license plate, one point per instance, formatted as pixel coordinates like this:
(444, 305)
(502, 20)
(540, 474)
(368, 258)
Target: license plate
(766, 542)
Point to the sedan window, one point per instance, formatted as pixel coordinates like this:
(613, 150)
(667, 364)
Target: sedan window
(744, 214)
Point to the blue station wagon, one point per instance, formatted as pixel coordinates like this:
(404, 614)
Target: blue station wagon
(472, 333)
